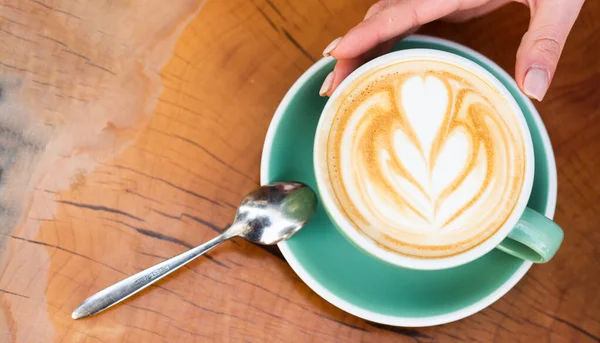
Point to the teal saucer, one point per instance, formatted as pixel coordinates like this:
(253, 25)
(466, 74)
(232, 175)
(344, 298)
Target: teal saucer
(358, 283)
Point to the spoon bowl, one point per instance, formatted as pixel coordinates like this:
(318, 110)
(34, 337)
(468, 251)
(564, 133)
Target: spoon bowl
(275, 212)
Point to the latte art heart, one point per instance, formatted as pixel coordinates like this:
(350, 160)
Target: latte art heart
(425, 158)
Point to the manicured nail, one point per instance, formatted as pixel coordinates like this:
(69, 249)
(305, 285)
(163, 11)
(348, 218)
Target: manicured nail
(537, 81)
(331, 46)
(326, 85)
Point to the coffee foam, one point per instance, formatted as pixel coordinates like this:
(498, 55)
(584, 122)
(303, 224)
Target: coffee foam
(425, 158)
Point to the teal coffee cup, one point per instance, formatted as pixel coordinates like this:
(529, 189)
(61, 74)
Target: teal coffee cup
(521, 232)
(333, 267)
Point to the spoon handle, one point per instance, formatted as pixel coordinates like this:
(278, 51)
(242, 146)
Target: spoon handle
(135, 283)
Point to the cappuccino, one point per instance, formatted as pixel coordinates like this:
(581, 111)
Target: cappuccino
(423, 157)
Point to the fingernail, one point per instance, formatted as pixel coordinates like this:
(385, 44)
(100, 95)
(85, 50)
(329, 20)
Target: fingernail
(537, 81)
(326, 85)
(331, 46)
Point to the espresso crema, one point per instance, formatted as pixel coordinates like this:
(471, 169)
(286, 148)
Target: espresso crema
(424, 157)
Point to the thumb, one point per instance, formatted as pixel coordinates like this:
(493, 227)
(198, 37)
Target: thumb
(541, 46)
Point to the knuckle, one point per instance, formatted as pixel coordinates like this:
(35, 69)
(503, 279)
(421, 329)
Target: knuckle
(394, 20)
(549, 48)
(414, 15)
(546, 41)
(392, 28)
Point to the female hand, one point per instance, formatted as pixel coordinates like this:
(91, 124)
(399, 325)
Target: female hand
(388, 21)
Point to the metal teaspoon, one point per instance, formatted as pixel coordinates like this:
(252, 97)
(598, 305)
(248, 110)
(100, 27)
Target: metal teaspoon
(267, 215)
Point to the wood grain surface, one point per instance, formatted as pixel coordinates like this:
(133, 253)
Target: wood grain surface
(130, 130)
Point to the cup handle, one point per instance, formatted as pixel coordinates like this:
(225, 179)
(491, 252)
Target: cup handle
(535, 238)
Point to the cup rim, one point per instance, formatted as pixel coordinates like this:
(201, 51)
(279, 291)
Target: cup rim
(358, 311)
(349, 229)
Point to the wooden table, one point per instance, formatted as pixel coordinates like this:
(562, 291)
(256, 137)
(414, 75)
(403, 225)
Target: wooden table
(129, 130)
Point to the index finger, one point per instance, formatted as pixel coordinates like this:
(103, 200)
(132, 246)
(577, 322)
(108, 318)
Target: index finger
(391, 22)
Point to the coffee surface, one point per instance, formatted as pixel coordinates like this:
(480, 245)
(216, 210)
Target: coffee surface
(425, 158)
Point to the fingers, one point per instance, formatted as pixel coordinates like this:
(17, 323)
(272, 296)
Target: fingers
(543, 43)
(385, 23)
(393, 19)
(376, 8)
(343, 68)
